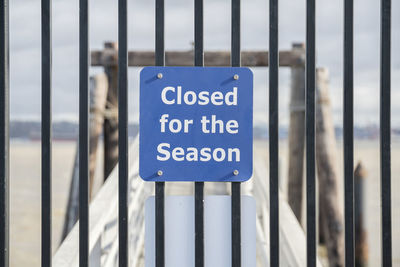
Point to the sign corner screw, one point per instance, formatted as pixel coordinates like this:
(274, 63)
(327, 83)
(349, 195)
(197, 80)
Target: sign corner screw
(159, 76)
(236, 77)
(235, 172)
(160, 172)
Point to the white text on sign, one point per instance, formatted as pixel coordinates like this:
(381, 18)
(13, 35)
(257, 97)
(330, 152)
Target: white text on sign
(209, 125)
(171, 96)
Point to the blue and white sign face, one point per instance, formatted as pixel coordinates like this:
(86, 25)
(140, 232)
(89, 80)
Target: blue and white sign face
(196, 124)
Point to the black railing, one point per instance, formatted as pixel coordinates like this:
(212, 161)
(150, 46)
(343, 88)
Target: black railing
(123, 132)
(236, 206)
(385, 132)
(4, 134)
(199, 186)
(46, 132)
(310, 134)
(348, 124)
(83, 133)
(348, 139)
(160, 186)
(273, 132)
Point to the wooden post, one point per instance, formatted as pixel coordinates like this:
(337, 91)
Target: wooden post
(111, 118)
(98, 92)
(296, 134)
(98, 95)
(361, 248)
(331, 227)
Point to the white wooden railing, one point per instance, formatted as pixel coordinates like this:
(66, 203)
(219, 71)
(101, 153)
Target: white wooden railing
(103, 224)
(103, 243)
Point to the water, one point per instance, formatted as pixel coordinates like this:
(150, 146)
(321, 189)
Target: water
(25, 197)
(25, 194)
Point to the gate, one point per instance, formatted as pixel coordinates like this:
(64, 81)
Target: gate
(235, 58)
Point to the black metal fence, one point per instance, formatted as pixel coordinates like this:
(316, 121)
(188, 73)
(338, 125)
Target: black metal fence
(385, 132)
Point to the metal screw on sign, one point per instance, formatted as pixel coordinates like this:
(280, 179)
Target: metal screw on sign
(159, 76)
(235, 172)
(159, 173)
(236, 77)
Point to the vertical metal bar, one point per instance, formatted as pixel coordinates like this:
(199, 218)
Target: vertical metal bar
(160, 186)
(4, 133)
(160, 50)
(83, 134)
(385, 131)
(348, 132)
(236, 226)
(198, 33)
(46, 132)
(236, 205)
(236, 195)
(199, 186)
(310, 133)
(160, 235)
(235, 35)
(123, 132)
(274, 132)
(199, 223)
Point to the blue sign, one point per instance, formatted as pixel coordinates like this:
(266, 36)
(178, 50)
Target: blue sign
(196, 124)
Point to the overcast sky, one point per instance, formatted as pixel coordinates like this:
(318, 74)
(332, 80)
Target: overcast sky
(25, 49)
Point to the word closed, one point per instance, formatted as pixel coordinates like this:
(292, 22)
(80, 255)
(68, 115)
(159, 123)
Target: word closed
(196, 124)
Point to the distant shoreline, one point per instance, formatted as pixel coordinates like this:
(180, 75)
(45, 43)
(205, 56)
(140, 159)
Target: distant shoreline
(68, 131)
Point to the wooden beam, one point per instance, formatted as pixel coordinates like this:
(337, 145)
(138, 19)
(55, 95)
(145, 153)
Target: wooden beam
(108, 57)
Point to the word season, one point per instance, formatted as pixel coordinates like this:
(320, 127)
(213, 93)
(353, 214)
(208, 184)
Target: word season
(172, 96)
(193, 154)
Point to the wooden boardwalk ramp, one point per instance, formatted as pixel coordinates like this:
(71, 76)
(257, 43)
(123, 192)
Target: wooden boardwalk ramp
(103, 219)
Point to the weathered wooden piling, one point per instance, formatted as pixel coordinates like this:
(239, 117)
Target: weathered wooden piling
(361, 243)
(98, 95)
(296, 133)
(331, 227)
(111, 115)
(98, 92)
